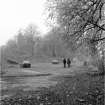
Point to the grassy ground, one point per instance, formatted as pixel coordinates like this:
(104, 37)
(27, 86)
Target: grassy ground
(38, 68)
(78, 89)
(18, 79)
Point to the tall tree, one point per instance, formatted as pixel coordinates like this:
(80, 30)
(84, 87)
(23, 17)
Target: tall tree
(82, 20)
(32, 37)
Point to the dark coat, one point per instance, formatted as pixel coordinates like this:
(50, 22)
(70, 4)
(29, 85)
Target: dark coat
(68, 61)
(64, 60)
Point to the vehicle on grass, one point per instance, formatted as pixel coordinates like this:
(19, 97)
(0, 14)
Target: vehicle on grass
(55, 61)
(26, 64)
(9, 61)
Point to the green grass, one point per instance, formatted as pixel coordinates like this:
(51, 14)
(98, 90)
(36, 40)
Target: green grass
(76, 89)
(40, 75)
(81, 89)
(43, 68)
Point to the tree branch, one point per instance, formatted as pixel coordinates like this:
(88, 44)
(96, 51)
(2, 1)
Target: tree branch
(98, 26)
(96, 40)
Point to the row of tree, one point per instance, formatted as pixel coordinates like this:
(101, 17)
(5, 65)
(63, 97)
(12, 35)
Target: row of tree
(29, 45)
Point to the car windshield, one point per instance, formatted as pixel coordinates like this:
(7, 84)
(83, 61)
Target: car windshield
(26, 62)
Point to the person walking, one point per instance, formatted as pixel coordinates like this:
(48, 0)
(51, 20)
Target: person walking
(64, 62)
(68, 62)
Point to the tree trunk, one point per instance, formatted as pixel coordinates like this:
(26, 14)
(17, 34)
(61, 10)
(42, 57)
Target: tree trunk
(99, 61)
(101, 65)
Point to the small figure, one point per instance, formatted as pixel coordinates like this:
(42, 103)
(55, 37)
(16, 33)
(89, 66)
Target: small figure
(64, 62)
(68, 62)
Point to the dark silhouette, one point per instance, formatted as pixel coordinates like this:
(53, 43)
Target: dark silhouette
(68, 62)
(12, 62)
(64, 62)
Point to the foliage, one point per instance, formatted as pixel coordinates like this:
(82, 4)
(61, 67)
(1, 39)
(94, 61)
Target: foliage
(28, 45)
(82, 20)
(21, 47)
(79, 17)
(52, 45)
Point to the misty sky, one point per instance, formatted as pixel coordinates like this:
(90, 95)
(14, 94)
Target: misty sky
(17, 14)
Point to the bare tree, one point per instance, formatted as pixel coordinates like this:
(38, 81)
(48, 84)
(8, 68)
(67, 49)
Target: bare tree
(32, 37)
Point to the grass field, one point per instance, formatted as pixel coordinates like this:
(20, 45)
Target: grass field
(40, 75)
(69, 86)
(38, 68)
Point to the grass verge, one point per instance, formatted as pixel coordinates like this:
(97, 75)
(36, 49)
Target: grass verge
(81, 89)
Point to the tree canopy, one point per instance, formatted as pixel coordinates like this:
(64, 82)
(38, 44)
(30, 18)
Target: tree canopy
(83, 22)
(79, 18)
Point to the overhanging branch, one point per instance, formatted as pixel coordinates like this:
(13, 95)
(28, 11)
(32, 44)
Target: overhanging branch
(96, 40)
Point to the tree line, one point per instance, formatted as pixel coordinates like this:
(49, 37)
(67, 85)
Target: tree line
(29, 45)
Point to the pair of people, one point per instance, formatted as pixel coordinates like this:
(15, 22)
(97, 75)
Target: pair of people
(68, 62)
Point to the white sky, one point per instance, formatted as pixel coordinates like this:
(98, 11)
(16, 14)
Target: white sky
(17, 14)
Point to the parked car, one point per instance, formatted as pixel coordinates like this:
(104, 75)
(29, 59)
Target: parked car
(55, 61)
(26, 64)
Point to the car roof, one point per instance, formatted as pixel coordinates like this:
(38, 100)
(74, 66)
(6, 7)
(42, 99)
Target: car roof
(26, 61)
